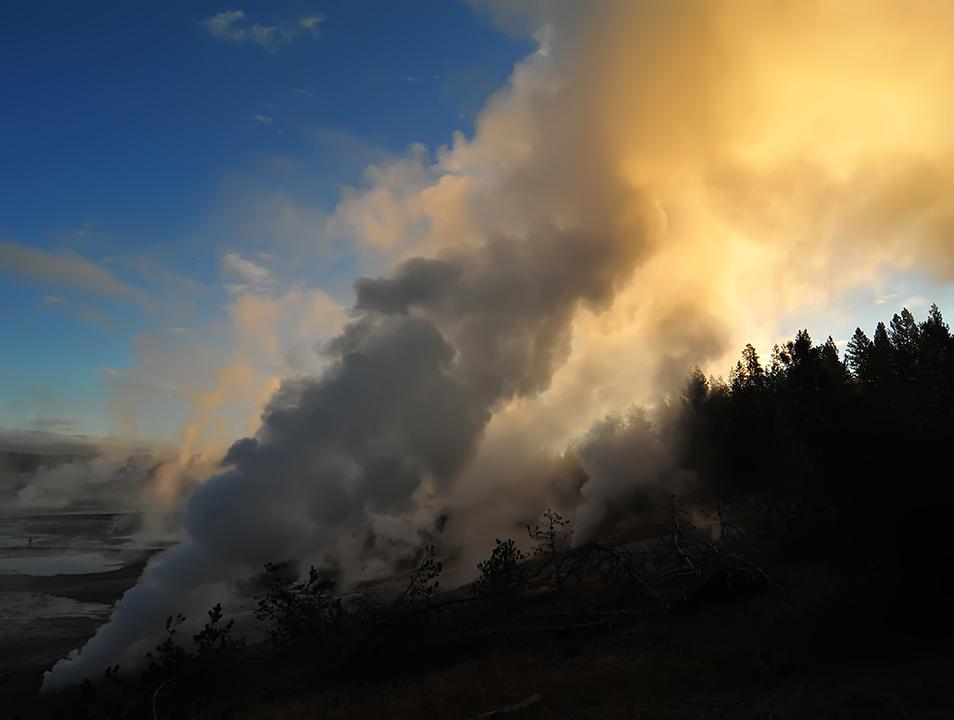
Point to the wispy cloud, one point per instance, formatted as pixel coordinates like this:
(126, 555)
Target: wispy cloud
(310, 22)
(68, 269)
(262, 119)
(885, 299)
(78, 310)
(348, 149)
(162, 389)
(54, 424)
(88, 229)
(233, 26)
(250, 272)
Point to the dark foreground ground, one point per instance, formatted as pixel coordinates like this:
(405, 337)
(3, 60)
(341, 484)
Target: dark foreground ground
(825, 644)
(807, 653)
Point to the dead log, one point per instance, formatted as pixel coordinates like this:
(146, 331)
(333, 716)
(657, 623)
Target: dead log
(510, 709)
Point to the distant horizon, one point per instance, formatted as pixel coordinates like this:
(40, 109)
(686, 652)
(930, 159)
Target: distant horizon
(45, 442)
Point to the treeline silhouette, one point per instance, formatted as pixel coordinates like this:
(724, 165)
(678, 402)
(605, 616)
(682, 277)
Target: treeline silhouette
(862, 444)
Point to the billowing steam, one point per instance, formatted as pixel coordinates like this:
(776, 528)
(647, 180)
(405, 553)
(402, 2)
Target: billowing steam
(662, 181)
(43, 473)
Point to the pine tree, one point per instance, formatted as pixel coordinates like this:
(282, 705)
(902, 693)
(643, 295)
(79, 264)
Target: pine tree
(748, 372)
(934, 319)
(696, 389)
(858, 353)
(935, 341)
(881, 341)
(831, 362)
(904, 332)
(904, 335)
(753, 368)
(801, 348)
(882, 350)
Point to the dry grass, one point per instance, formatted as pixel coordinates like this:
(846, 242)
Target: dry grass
(754, 660)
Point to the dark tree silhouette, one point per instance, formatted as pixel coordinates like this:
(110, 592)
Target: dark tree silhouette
(860, 443)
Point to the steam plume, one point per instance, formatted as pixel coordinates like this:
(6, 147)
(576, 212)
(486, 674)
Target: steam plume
(653, 186)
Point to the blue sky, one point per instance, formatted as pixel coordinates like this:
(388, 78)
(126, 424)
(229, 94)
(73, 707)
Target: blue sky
(135, 133)
(154, 152)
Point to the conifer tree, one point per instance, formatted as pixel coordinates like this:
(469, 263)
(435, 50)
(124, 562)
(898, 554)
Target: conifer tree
(858, 354)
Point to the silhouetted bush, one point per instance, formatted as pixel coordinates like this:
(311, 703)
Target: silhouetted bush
(550, 540)
(169, 657)
(424, 582)
(216, 638)
(299, 613)
(504, 571)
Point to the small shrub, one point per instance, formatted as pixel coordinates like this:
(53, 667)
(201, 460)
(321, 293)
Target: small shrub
(504, 571)
(169, 657)
(550, 540)
(299, 612)
(421, 585)
(215, 638)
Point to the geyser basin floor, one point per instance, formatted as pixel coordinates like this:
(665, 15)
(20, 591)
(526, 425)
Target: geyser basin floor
(74, 529)
(60, 575)
(25, 606)
(58, 562)
(46, 616)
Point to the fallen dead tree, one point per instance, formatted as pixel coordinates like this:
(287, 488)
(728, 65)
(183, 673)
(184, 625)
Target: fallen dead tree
(510, 710)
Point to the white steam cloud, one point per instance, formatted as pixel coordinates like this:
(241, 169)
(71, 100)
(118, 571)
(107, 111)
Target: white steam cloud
(657, 186)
